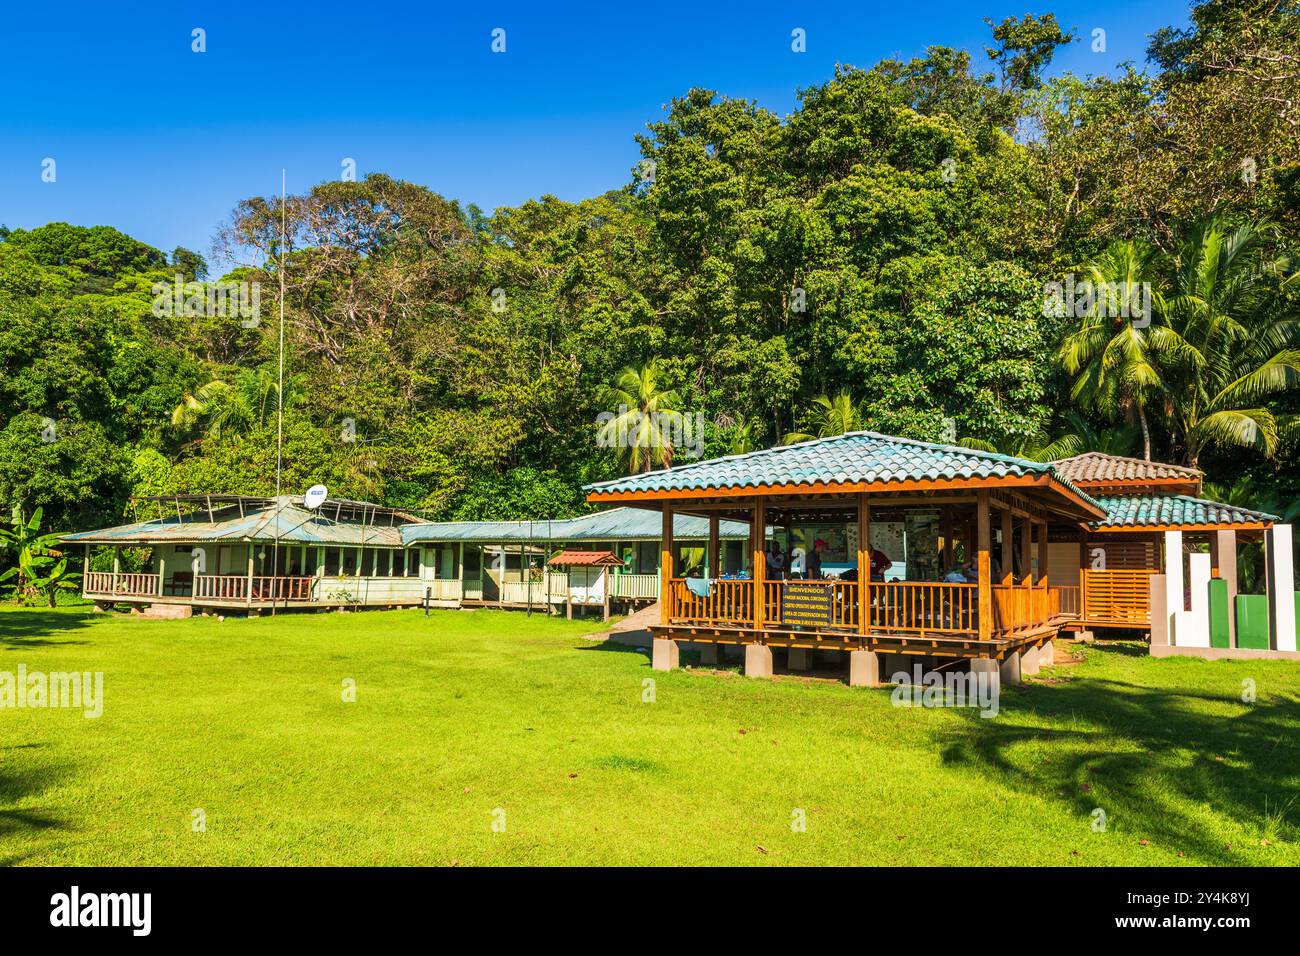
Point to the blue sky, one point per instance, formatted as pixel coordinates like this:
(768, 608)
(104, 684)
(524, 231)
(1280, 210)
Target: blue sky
(161, 142)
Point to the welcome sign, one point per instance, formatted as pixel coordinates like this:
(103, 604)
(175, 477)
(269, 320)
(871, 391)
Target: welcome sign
(806, 604)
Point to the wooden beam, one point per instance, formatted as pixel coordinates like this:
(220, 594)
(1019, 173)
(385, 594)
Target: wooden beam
(1042, 553)
(864, 564)
(715, 557)
(984, 567)
(759, 530)
(1026, 567)
(947, 539)
(666, 565)
(1007, 560)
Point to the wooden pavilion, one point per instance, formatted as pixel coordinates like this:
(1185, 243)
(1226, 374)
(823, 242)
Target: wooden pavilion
(963, 514)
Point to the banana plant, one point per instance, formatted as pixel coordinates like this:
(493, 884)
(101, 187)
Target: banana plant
(41, 568)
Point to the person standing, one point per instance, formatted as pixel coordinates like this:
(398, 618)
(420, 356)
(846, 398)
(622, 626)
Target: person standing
(814, 560)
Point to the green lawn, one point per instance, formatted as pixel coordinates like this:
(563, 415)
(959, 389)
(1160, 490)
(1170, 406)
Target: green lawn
(466, 713)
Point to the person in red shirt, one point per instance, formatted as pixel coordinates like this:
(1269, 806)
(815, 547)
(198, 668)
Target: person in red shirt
(880, 563)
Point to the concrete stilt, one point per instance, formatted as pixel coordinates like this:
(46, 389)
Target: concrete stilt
(864, 669)
(1009, 668)
(988, 667)
(664, 655)
(1047, 654)
(1028, 661)
(800, 659)
(758, 660)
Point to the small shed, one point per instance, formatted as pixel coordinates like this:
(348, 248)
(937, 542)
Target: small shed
(589, 582)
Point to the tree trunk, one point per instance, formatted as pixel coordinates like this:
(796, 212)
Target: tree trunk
(1146, 432)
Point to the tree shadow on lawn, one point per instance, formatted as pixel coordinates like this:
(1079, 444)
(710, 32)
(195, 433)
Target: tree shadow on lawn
(1242, 765)
(35, 628)
(17, 783)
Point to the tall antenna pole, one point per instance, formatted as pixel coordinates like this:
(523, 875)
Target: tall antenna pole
(279, 417)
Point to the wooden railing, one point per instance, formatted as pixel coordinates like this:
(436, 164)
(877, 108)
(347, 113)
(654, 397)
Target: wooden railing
(728, 602)
(554, 589)
(221, 587)
(1017, 607)
(922, 607)
(636, 586)
(1116, 597)
(1068, 600)
(235, 587)
(125, 584)
(897, 607)
(443, 589)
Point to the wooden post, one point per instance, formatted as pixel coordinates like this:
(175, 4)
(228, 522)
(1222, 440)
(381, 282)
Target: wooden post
(162, 573)
(248, 600)
(947, 537)
(714, 556)
(666, 565)
(1042, 554)
(983, 566)
(1007, 559)
(758, 529)
(864, 560)
(1026, 562)
(606, 575)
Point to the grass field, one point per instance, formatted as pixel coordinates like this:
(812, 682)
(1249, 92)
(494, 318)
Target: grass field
(467, 718)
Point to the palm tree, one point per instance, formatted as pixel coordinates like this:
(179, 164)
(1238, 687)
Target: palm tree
(1109, 355)
(1110, 440)
(247, 403)
(643, 428)
(829, 417)
(1231, 343)
(1035, 447)
(746, 437)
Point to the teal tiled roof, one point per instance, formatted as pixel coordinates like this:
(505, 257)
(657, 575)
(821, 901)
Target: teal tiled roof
(856, 457)
(1137, 510)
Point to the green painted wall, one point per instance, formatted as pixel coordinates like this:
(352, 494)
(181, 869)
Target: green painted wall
(1252, 621)
(1219, 627)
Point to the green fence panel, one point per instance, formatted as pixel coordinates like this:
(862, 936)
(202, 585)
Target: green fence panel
(1219, 627)
(1252, 621)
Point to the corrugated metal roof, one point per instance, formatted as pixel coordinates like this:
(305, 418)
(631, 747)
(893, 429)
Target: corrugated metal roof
(1172, 510)
(283, 521)
(616, 524)
(296, 524)
(1094, 467)
(852, 458)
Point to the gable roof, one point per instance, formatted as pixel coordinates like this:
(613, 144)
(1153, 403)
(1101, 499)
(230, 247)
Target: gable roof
(585, 559)
(1094, 468)
(854, 459)
(1153, 512)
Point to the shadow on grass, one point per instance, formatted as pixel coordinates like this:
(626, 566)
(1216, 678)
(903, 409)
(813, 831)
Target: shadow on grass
(17, 783)
(36, 628)
(615, 647)
(1153, 759)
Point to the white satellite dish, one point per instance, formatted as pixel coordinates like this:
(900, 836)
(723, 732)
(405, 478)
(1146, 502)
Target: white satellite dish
(315, 497)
